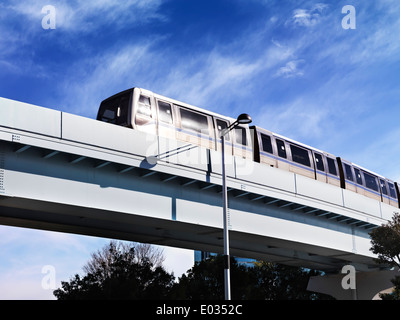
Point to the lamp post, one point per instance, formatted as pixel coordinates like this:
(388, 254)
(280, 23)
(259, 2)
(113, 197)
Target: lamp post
(242, 119)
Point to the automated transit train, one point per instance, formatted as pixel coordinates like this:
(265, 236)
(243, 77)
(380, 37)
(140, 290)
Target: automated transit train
(146, 111)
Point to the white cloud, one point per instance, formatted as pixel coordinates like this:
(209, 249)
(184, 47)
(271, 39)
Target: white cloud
(91, 81)
(89, 15)
(308, 17)
(379, 153)
(21, 27)
(24, 284)
(13, 237)
(210, 80)
(291, 69)
(201, 79)
(206, 75)
(300, 119)
(24, 253)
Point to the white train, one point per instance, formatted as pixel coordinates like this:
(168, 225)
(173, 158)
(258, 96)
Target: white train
(146, 111)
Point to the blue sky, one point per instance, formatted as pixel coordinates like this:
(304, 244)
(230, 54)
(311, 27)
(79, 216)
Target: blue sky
(289, 64)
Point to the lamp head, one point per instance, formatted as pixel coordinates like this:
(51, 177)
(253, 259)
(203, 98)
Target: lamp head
(244, 118)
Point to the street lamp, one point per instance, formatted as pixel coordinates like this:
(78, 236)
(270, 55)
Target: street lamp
(241, 119)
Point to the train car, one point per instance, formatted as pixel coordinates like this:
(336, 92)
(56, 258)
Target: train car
(277, 151)
(146, 111)
(280, 152)
(367, 183)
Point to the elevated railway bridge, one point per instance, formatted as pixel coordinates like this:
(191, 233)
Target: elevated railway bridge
(67, 173)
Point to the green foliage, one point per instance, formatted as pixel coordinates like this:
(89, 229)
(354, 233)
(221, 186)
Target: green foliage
(280, 282)
(385, 241)
(205, 280)
(117, 273)
(264, 281)
(395, 295)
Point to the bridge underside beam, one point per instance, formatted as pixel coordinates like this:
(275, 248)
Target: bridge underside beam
(108, 224)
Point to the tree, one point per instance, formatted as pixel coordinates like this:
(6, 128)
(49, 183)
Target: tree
(205, 281)
(385, 242)
(103, 259)
(281, 282)
(119, 271)
(132, 271)
(264, 281)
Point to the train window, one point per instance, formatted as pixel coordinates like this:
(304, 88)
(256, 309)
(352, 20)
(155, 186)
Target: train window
(371, 181)
(348, 173)
(358, 176)
(300, 155)
(281, 148)
(331, 166)
(266, 143)
(115, 110)
(383, 186)
(319, 162)
(194, 121)
(144, 106)
(392, 190)
(222, 125)
(164, 112)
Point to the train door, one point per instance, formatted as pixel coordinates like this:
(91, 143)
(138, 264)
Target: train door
(222, 124)
(242, 142)
(266, 149)
(320, 167)
(332, 174)
(396, 185)
(282, 161)
(166, 121)
(384, 191)
(144, 113)
(359, 182)
(393, 200)
(347, 175)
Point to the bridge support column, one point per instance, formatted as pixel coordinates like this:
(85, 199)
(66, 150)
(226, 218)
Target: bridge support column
(368, 285)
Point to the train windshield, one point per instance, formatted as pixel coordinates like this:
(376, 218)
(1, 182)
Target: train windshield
(115, 110)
